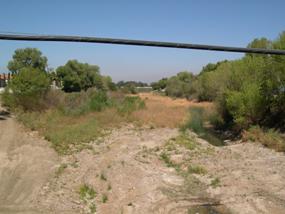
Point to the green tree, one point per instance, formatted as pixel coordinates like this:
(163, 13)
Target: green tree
(76, 76)
(108, 83)
(27, 58)
(180, 85)
(160, 85)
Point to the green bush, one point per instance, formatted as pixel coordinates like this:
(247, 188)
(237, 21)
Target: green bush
(27, 90)
(99, 101)
(246, 106)
(86, 192)
(78, 103)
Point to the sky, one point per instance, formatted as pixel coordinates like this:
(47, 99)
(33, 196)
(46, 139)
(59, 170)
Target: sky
(219, 22)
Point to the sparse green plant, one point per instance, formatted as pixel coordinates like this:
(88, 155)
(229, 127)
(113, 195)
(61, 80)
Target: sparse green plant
(215, 182)
(184, 139)
(170, 146)
(109, 187)
(93, 208)
(74, 164)
(60, 169)
(86, 192)
(103, 177)
(166, 158)
(104, 198)
(195, 169)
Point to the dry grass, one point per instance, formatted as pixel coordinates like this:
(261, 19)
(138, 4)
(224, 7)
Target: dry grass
(162, 111)
(269, 138)
(71, 131)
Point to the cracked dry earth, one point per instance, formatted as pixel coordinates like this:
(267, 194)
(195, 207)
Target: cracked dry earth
(128, 175)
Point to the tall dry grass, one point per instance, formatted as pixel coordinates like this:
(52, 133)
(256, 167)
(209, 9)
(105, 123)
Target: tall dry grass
(162, 111)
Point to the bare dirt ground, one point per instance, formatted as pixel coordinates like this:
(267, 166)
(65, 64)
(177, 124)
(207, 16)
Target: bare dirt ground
(245, 178)
(127, 172)
(26, 164)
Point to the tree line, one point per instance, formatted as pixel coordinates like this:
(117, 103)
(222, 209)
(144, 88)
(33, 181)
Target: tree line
(32, 78)
(248, 91)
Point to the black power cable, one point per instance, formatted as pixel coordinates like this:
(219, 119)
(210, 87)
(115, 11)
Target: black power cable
(58, 38)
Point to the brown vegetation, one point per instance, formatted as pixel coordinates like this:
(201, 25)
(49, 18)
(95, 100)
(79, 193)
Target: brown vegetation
(162, 111)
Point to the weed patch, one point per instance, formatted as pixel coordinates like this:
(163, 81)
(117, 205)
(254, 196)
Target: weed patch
(103, 177)
(184, 139)
(60, 169)
(215, 182)
(104, 198)
(195, 169)
(269, 138)
(87, 192)
(93, 208)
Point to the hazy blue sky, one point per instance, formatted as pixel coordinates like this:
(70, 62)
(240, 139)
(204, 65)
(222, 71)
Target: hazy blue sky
(220, 22)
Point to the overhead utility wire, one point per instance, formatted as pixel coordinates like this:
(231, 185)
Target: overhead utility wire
(58, 38)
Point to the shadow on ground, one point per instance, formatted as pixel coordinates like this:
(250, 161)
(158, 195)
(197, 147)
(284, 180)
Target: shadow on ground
(4, 115)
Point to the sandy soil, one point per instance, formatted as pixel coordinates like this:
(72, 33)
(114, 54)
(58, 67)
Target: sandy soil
(125, 168)
(251, 178)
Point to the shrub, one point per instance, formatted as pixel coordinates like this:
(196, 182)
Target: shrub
(74, 104)
(7, 99)
(246, 106)
(54, 99)
(216, 120)
(78, 103)
(27, 89)
(98, 101)
(269, 138)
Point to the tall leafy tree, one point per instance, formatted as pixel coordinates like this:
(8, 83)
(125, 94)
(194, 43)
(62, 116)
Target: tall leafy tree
(77, 76)
(27, 58)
